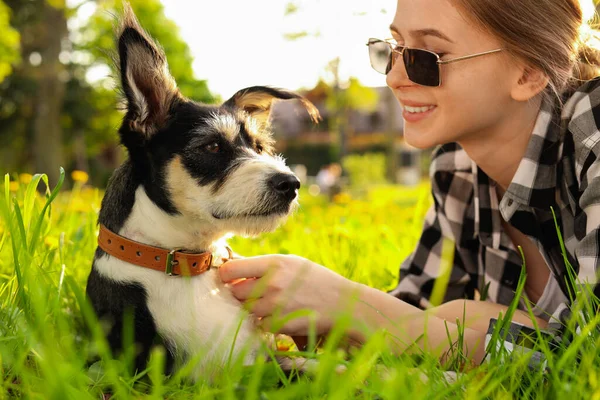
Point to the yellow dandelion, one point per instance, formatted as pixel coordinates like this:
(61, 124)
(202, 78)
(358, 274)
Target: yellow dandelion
(284, 343)
(13, 186)
(342, 198)
(283, 347)
(25, 178)
(51, 241)
(80, 176)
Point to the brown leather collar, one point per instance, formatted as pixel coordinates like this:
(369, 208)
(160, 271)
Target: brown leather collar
(171, 262)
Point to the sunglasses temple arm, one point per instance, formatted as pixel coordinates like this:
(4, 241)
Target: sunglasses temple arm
(468, 57)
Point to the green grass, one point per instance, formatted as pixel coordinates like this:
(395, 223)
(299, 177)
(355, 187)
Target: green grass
(49, 337)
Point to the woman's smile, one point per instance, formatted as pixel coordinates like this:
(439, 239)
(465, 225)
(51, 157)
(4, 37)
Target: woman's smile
(416, 113)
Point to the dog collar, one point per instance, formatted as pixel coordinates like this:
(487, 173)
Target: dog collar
(172, 262)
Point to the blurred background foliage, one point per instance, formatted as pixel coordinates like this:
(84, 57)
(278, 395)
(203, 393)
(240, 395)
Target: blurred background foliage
(50, 114)
(55, 111)
(53, 114)
(9, 43)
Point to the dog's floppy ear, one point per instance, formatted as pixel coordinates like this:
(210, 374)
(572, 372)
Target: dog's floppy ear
(257, 101)
(148, 86)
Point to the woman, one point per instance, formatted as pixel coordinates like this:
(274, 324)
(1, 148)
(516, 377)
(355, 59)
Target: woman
(517, 135)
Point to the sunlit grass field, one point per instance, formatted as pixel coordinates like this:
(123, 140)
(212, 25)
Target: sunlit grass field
(49, 339)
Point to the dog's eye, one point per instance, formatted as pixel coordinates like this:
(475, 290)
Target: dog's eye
(213, 147)
(259, 148)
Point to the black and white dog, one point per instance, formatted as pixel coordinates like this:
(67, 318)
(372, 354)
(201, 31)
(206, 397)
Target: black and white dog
(195, 174)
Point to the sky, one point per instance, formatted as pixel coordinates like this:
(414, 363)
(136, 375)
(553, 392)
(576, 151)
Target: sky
(241, 43)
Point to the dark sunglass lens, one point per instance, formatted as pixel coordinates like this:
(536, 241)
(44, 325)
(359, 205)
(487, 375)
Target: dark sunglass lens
(379, 55)
(422, 67)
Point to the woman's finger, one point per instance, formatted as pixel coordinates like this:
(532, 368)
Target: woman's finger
(251, 267)
(262, 307)
(246, 289)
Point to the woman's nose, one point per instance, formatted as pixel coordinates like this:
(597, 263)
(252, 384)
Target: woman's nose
(397, 76)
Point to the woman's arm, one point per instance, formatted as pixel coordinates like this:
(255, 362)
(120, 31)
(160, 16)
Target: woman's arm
(406, 323)
(477, 314)
(277, 285)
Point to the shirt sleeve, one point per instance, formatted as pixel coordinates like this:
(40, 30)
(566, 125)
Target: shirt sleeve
(436, 250)
(587, 231)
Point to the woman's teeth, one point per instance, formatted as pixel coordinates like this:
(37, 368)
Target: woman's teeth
(418, 109)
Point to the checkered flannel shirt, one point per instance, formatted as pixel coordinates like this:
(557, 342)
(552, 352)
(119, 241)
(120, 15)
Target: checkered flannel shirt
(560, 169)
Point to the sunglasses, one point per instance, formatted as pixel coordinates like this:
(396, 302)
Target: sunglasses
(423, 67)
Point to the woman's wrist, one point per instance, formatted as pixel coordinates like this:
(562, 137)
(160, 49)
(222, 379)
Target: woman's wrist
(365, 316)
(341, 302)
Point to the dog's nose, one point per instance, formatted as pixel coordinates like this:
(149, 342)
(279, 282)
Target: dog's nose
(285, 184)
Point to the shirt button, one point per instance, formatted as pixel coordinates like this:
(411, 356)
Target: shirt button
(510, 202)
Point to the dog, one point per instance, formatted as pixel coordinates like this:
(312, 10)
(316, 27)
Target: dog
(195, 174)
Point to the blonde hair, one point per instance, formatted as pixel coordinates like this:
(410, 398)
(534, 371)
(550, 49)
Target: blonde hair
(550, 35)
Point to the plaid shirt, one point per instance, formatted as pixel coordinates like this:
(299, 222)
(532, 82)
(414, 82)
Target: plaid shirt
(560, 169)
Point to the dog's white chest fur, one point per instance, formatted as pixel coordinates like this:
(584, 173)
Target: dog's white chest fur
(198, 316)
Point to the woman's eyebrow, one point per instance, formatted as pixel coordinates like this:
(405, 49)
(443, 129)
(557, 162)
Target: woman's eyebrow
(423, 32)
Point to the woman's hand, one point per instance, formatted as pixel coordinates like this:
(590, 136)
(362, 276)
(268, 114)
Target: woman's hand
(274, 286)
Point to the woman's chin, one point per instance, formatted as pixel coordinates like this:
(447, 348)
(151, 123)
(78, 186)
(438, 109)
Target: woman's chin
(420, 139)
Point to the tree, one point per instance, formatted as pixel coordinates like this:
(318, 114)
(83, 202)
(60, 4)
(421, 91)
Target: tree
(50, 115)
(32, 97)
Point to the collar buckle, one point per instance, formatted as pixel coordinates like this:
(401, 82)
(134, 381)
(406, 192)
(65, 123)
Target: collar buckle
(171, 263)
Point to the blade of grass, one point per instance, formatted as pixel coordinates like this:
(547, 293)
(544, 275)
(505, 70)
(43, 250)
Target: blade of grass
(20, 223)
(36, 231)
(441, 283)
(30, 197)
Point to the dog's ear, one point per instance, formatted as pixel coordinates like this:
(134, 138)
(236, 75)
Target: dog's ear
(257, 101)
(148, 86)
